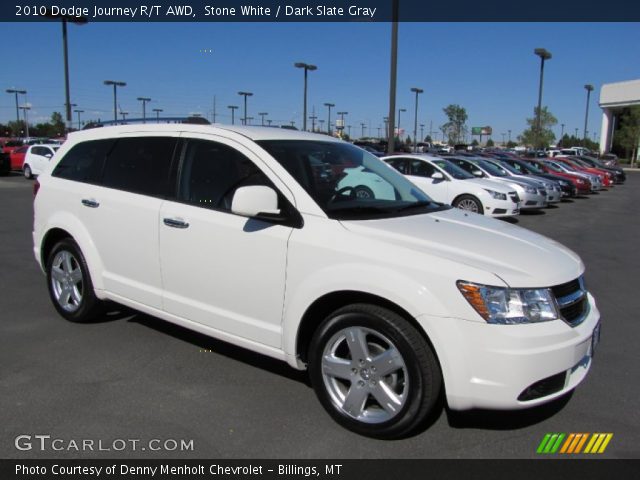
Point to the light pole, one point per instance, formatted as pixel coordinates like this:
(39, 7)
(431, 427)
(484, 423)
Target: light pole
(245, 95)
(363, 125)
(509, 132)
(233, 109)
(417, 91)
(422, 132)
(306, 67)
(503, 135)
(124, 115)
(349, 130)
(115, 84)
(65, 52)
(329, 105)
(561, 131)
(544, 55)
(248, 120)
(157, 110)
(386, 127)
(400, 110)
(16, 92)
(342, 114)
(589, 89)
(576, 134)
(144, 101)
(79, 112)
(24, 109)
(393, 74)
(321, 123)
(313, 119)
(262, 115)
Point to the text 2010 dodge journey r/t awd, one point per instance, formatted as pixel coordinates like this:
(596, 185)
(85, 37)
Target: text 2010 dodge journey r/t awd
(242, 233)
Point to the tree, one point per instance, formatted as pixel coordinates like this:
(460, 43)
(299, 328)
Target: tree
(628, 135)
(456, 127)
(545, 137)
(474, 143)
(511, 144)
(428, 139)
(490, 143)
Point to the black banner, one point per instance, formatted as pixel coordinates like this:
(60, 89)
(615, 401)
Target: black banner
(322, 11)
(327, 469)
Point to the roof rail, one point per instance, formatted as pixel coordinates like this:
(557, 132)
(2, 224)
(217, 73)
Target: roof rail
(133, 121)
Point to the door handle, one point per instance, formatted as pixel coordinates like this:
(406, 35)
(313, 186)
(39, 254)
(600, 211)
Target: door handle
(175, 223)
(90, 202)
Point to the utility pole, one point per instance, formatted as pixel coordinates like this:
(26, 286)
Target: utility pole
(262, 115)
(115, 84)
(144, 101)
(79, 112)
(233, 109)
(158, 110)
(245, 95)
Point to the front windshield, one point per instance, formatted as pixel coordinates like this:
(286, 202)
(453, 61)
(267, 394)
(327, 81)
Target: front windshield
(347, 181)
(531, 167)
(509, 168)
(491, 168)
(453, 170)
(555, 167)
(568, 166)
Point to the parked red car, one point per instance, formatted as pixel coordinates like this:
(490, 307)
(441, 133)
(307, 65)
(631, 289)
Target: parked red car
(11, 145)
(17, 157)
(606, 177)
(582, 184)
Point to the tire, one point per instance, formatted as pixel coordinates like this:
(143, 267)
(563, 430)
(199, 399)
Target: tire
(362, 191)
(390, 391)
(28, 174)
(469, 203)
(69, 283)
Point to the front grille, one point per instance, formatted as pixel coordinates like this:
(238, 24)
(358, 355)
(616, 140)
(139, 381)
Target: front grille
(572, 301)
(499, 211)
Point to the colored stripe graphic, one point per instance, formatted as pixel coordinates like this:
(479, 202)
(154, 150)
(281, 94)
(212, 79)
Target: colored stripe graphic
(573, 443)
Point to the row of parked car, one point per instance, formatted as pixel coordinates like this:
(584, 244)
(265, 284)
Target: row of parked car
(29, 157)
(496, 184)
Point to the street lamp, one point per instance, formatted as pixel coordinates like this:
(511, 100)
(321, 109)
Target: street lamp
(386, 127)
(77, 21)
(233, 109)
(544, 55)
(16, 92)
(349, 130)
(363, 125)
(144, 101)
(158, 110)
(124, 115)
(115, 84)
(422, 132)
(248, 120)
(400, 110)
(306, 67)
(245, 95)
(503, 135)
(417, 91)
(329, 105)
(313, 119)
(262, 115)
(509, 132)
(24, 109)
(79, 112)
(342, 114)
(561, 131)
(589, 89)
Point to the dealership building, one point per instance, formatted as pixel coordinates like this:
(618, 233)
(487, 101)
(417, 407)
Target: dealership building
(614, 99)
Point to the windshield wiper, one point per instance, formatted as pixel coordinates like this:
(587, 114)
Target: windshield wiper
(420, 204)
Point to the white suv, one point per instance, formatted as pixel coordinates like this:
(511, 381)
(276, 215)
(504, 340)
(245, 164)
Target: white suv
(242, 233)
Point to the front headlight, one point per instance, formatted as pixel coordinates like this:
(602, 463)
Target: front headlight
(530, 190)
(496, 195)
(510, 306)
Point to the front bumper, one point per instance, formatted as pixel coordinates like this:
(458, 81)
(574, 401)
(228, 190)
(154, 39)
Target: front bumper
(532, 201)
(491, 366)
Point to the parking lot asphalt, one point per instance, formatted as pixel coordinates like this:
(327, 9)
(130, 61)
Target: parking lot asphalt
(136, 377)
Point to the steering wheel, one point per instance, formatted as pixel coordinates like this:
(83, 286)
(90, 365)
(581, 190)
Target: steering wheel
(342, 191)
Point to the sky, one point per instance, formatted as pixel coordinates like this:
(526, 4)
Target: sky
(487, 68)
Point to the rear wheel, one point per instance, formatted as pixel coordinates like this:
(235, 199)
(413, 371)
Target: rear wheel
(362, 191)
(69, 283)
(373, 371)
(469, 203)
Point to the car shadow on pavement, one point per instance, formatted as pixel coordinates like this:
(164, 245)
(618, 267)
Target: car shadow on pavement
(506, 419)
(512, 220)
(532, 213)
(228, 350)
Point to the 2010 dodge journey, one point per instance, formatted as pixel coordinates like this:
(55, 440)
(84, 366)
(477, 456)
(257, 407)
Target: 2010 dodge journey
(249, 235)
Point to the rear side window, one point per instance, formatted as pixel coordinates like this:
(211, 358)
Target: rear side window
(140, 165)
(84, 162)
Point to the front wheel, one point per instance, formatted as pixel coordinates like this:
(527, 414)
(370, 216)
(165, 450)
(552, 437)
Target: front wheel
(469, 203)
(69, 282)
(373, 371)
(28, 174)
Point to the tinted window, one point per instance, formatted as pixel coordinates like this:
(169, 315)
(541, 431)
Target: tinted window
(140, 165)
(399, 164)
(212, 172)
(422, 169)
(83, 163)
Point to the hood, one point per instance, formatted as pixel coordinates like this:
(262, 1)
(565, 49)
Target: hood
(520, 257)
(490, 184)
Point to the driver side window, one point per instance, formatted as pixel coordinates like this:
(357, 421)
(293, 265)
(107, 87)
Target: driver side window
(211, 173)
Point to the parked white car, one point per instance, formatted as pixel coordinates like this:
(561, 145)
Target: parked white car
(446, 183)
(37, 158)
(243, 234)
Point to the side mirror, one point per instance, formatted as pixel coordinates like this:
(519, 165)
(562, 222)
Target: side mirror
(48, 156)
(256, 201)
(437, 176)
(478, 173)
